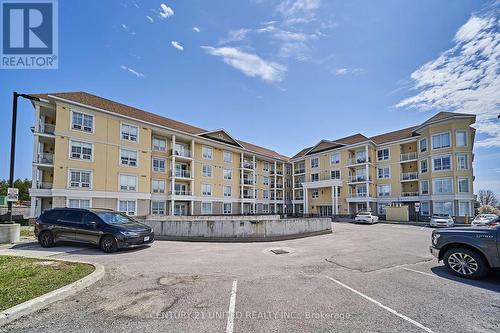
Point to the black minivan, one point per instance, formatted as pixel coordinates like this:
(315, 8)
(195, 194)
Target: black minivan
(107, 229)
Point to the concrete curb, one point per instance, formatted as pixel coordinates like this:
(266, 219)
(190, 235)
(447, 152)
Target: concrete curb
(40, 302)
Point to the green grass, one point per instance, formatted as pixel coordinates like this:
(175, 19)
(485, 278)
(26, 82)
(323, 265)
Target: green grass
(27, 232)
(21, 279)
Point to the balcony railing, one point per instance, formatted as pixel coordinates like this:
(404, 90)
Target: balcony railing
(180, 192)
(409, 176)
(358, 160)
(248, 196)
(247, 165)
(44, 185)
(47, 128)
(408, 157)
(298, 185)
(299, 198)
(182, 173)
(278, 172)
(247, 181)
(45, 158)
(358, 195)
(276, 185)
(182, 152)
(358, 178)
(384, 194)
(409, 194)
(299, 171)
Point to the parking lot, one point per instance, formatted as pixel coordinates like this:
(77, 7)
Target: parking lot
(377, 278)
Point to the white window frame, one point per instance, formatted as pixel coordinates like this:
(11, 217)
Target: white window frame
(265, 208)
(420, 165)
(314, 193)
(379, 192)
(464, 132)
(158, 148)
(436, 203)
(265, 194)
(122, 150)
(120, 182)
(336, 170)
(159, 159)
(337, 160)
(265, 166)
(227, 211)
(441, 134)
(70, 150)
(79, 202)
(202, 208)
(226, 153)
(315, 174)
(229, 172)
(441, 157)
(127, 212)
(422, 212)
(388, 154)
(460, 212)
(421, 187)
(311, 162)
(224, 188)
(466, 161)
(434, 187)
(207, 174)
(383, 167)
(85, 114)
(80, 182)
(163, 204)
(458, 184)
(122, 124)
(426, 145)
(158, 189)
(265, 180)
(207, 191)
(206, 149)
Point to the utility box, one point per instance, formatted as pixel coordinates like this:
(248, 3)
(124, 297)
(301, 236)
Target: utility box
(397, 212)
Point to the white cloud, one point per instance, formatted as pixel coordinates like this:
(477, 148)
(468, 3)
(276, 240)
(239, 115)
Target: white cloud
(235, 36)
(177, 45)
(166, 11)
(249, 64)
(351, 71)
(196, 29)
(465, 78)
(127, 29)
(150, 18)
(298, 11)
(341, 71)
(132, 71)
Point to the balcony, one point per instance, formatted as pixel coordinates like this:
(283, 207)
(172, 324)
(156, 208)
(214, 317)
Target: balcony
(408, 157)
(384, 194)
(180, 192)
(409, 194)
(248, 196)
(299, 197)
(186, 153)
(247, 165)
(46, 128)
(299, 171)
(278, 172)
(409, 176)
(45, 158)
(276, 185)
(246, 181)
(358, 179)
(358, 195)
(44, 185)
(358, 160)
(298, 185)
(182, 174)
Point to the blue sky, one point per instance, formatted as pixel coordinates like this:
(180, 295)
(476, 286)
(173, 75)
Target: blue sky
(280, 73)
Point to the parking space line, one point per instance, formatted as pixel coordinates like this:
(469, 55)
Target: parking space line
(382, 306)
(232, 305)
(424, 273)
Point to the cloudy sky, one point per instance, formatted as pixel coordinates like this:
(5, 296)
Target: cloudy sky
(279, 73)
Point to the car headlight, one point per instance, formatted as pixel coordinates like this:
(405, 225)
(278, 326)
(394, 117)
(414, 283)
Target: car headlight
(435, 237)
(129, 233)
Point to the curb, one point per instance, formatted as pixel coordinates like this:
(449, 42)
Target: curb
(40, 302)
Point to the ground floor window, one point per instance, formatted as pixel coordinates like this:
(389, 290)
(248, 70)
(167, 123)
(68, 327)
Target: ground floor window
(158, 207)
(180, 209)
(265, 208)
(443, 207)
(361, 207)
(227, 208)
(424, 208)
(206, 208)
(464, 208)
(381, 208)
(79, 203)
(127, 206)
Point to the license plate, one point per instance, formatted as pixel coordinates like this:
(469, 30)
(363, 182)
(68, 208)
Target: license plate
(146, 238)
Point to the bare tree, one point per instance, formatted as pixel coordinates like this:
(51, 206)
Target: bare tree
(487, 197)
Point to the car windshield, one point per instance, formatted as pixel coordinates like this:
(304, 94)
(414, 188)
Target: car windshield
(114, 218)
(363, 213)
(440, 216)
(486, 217)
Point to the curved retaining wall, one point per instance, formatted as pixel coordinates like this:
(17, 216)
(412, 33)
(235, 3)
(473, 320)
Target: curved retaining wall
(237, 229)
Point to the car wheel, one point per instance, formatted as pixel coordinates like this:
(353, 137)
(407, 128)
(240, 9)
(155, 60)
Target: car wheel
(46, 239)
(466, 263)
(108, 244)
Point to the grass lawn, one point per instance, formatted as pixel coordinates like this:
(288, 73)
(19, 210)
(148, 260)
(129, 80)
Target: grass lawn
(28, 232)
(22, 279)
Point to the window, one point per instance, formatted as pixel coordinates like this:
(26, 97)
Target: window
(462, 162)
(442, 185)
(227, 191)
(441, 163)
(384, 172)
(314, 162)
(425, 208)
(383, 154)
(159, 164)
(227, 208)
(314, 194)
(423, 166)
(265, 166)
(128, 183)
(228, 174)
(129, 132)
(443, 207)
(335, 174)
(463, 185)
(159, 144)
(158, 186)
(441, 140)
(463, 208)
(128, 157)
(384, 190)
(461, 138)
(79, 179)
(335, 158)
(127, 207)
(314, 177)
(228, 156)
(79, 203)
(82, 122)
(206, 208)
(73, 216)
(207, 152)
(206, 170)
(265, 180)
(158, 207)
(206, 189)
(381, 208)
(423, 145)
(265, 194)
(424, 187)
(80, 150)
(265, 208)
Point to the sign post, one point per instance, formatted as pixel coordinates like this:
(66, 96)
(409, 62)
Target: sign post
(417, 210)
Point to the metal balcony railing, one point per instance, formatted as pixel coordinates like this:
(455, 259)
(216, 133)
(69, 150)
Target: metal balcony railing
(358, 160)
(180, 192)
(248, 196)
(358, 195)
(409, 176)
(47, 128)
(384, 194)
(299, 171)
(44, 185)
(278, 172)
(247, 165)
(247, 181)
(182, 152)
(358, 178)
(298, 185)
(45, 158)
(182, 173)
(409, 194)
(408, 157)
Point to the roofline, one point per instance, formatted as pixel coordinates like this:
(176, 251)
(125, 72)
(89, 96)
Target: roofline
(321, 152)
(160, 126)
(223, 130)
(455, 116)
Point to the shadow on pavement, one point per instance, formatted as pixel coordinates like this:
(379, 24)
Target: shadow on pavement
(490, 282)
(71, 248)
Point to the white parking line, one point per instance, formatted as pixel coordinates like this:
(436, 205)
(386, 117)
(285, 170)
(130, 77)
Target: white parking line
(382, 306)
(232, 304)
(424, 273)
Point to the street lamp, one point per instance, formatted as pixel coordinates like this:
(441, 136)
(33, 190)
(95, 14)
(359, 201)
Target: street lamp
(13, 143)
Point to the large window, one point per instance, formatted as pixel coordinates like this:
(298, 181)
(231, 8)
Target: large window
(335, 158)
(335, 174)
(441, 140)
(381, 208)
(158, 207)
(265, 166)
(384, 172)
(82, 122)
(159, 164)
(462, 162)
(443, 207)
(128, 157)
(158, 186)
(315, 177)
(265, 194)
(127, 207)
(442, 185)
(441, 163)
(227, 208)
(384, 190)
(228, 174)
(206, 170)
(128, 183)
(425, 208)
(159, 144)
(463, 185)
(79, 179)
(265, 180)
(314, 162)
(423, 145)
(227, 191)
(206, 189)
(314, 193)
(461, 138)
(206, 208)
(78, 203)
(383, 154)
(423, 166)
(424, 187)
(80, 150)
(129, 132)
(463, 208)
(207, 152)
(228, 156)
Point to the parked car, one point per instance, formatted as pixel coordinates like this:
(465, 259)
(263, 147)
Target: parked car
(107, 229)
(469, 252)
(366, 217)
(483, 219)
(442, 220)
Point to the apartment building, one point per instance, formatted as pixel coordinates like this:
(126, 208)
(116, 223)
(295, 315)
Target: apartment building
(92, 152)
(428, 165)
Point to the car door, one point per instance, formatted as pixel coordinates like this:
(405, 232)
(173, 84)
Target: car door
(89, 229)
(68, 223)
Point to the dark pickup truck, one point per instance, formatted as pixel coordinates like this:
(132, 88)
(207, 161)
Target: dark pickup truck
(469, 252)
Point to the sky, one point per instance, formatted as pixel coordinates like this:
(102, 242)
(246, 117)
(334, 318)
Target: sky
(283, 74)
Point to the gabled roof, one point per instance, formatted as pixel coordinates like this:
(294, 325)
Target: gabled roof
(442, 116)
(87, 99)
(302, 153)
(353, 139)
(404, 133)
(221, 135)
